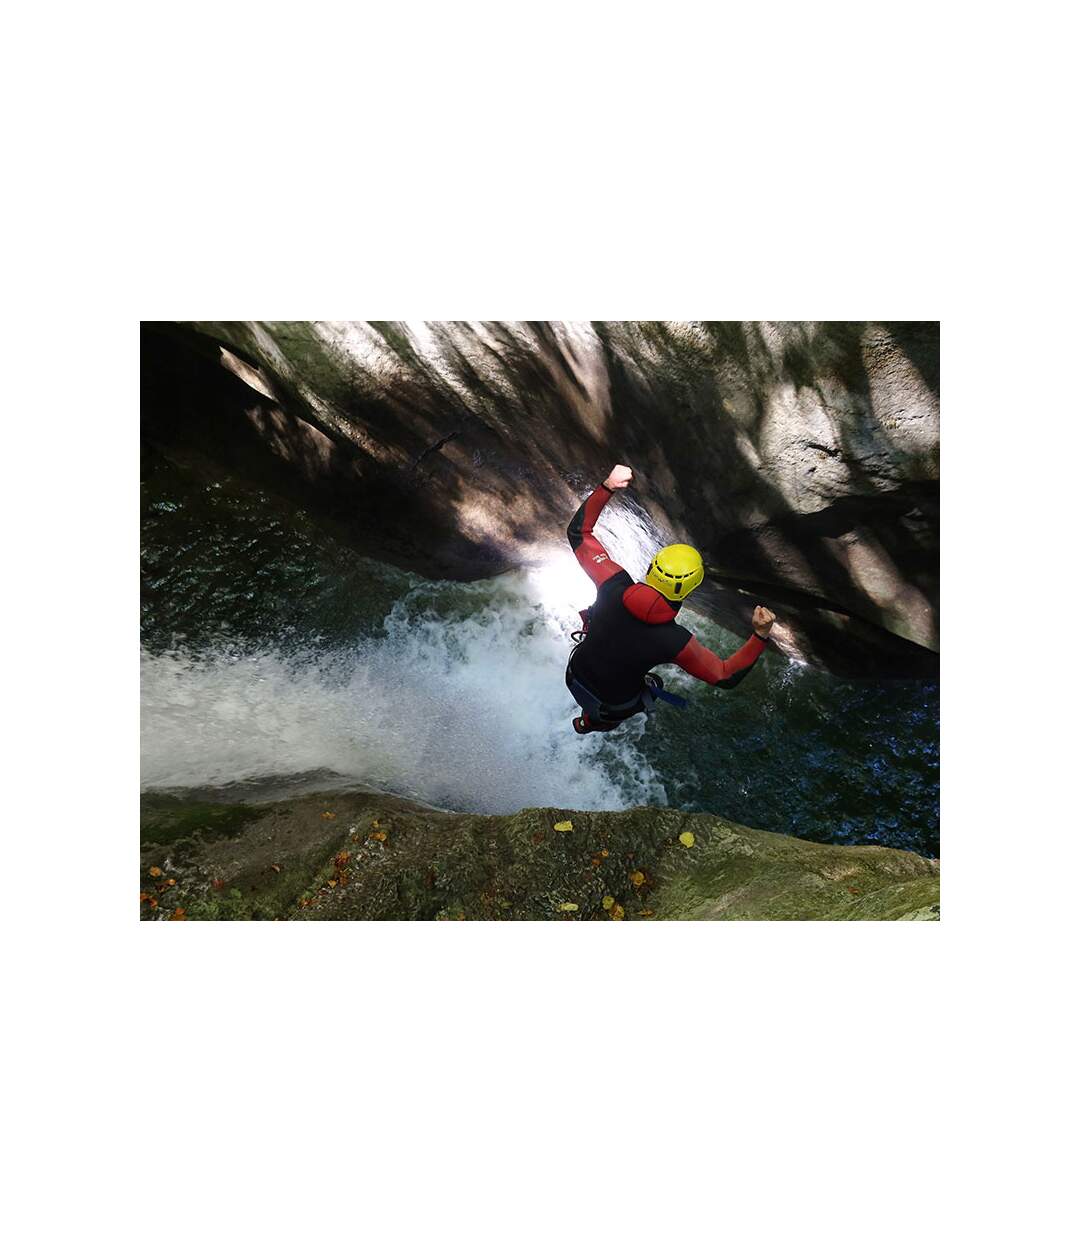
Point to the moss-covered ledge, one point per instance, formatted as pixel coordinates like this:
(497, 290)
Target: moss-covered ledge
(359, 855)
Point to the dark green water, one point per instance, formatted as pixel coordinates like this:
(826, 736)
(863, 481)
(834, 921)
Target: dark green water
(270, 651)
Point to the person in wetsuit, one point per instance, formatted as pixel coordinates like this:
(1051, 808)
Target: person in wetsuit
(632, 628)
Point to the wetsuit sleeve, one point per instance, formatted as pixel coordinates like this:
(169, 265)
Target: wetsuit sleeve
(697, 660)
(587, 548)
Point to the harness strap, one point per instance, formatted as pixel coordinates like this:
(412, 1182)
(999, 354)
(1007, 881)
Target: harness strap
(645, 701)
(665, 696)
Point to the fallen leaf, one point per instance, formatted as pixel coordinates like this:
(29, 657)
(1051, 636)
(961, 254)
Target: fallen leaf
(687, 838)
(647, 914)
(217, 885)
(617, 912)
(637, 878)
(153, 903)
(603, 853)
(378, 836)
(608, 902)
(170, 882)
(178, 914)
(332, 883)
(155, 872)
(143, 897)
(563, 825)
(567, 906)
(341, 859)
(329, 815)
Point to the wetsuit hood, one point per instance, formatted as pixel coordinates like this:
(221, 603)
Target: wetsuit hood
(648, 605)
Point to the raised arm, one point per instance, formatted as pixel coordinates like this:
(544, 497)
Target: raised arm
(696, 659)
(590, 552)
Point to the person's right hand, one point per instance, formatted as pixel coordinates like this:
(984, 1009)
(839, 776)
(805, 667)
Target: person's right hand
(762, 621)
(620, 476)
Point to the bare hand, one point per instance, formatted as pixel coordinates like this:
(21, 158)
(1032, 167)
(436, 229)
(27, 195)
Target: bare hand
(620, 476)
(762, 621)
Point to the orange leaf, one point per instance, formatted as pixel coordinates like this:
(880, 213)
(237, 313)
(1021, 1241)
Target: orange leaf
(170, 882)
(329, 815)
(378, 836)
(178, 915)
(617, 912)
(155, 872)
(143, 897)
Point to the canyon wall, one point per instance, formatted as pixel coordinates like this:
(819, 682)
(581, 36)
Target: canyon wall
(801, 458)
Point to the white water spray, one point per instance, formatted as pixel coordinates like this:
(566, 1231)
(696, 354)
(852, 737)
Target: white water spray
(466, 712)
(459, 700)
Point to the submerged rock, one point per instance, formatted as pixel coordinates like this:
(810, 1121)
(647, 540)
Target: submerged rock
(360, 855)
(801, 458)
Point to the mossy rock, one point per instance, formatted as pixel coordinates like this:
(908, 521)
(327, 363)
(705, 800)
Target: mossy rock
(360, 855)
(733, 872)
(166, 819)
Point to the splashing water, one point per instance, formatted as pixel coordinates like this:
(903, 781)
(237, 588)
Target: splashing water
(458, 701)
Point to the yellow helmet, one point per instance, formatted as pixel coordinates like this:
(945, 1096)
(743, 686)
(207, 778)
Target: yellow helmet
(675, 571)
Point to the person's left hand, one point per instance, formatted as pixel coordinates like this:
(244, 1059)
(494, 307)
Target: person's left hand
(620, 476)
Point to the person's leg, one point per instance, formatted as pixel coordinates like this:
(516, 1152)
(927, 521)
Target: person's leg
(594, 717)
(587, 724)
(604, 721)
(589, 721)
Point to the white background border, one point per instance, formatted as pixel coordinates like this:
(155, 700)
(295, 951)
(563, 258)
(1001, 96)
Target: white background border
(567, 161)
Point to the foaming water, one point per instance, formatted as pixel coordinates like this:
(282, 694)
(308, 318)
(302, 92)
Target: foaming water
(458, 700)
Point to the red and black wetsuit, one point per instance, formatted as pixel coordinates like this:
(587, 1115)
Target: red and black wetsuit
(632, 628)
